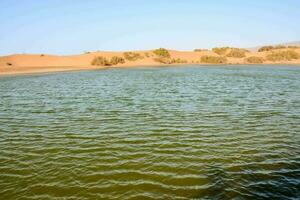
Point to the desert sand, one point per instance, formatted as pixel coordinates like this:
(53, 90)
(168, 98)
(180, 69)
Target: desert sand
(40, 63)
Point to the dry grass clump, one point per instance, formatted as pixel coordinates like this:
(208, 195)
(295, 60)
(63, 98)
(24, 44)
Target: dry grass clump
(200, 50)
(100, 61)
(213, 59)
(117, 60)
(254, 60)
(178, 61)
(161, 52)
(131, 56)
(293, 47)
(287, 55)
(237, 53)
(270, 48)
(220, 50)
(163, 60)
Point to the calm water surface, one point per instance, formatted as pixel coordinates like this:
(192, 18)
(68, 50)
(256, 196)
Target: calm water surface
(152, 133)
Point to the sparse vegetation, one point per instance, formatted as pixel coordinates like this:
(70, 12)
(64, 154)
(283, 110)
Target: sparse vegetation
(132, 56)
(213, 59)
(161, 52)
(294, 47)
(270, 48)
(287, 55)
(265, 48)
(221, 50)
(100, 61)
(254, 60)
(163, 60)
(117, 60)
(200, 50)
(178, 61)
(147, 55)
(42, 55)
(237, 53)
(9, 64)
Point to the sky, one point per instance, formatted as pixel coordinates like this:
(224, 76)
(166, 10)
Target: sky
(74, 26)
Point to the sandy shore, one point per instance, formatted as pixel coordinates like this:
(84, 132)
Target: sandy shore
(40, 63)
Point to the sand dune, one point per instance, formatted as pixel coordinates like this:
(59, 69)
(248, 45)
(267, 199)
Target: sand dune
(28, 63)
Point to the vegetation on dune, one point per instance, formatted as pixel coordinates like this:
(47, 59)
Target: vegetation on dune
(162, 56)
(132, 56)
(200, 50)
(161, 52)
(100, 61)
(214, 59)
(220, 50)
(237, 53)
(178, 61)
(254, 60)
(147, 55)
(230, 52)
(163, 60)
(270, 48)
(117, 60)
(287, 55)
(293, 47)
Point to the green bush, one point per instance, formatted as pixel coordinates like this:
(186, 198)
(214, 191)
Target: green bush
(254, 60)
(131, 56)
(100, 61)
(283, 56)
(237, 53)
(161, 52)
(213, 59)
(117, 60)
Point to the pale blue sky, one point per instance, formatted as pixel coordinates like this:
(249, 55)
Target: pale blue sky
(75, 26)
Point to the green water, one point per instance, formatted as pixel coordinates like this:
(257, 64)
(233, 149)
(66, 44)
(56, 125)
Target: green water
(152, 133)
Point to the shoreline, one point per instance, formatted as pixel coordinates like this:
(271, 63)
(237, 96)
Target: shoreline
(60, 69)
(42, 63)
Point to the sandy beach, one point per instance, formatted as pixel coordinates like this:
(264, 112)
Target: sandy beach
(40, 63)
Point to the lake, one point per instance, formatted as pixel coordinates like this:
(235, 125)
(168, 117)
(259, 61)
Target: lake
(193, 132)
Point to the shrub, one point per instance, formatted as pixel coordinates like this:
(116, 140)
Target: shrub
(254, 60)
(237, 53)
(147, 55)
(161, 52)
(131, 56)
(163, 60)
(100, 61)
(214, 59)
(293, 47)
(178, 60)
(117, 60)
(9, 64)
(265, 48)
(283, 56)
(200, 50)
(42, 55)
(220, 51)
